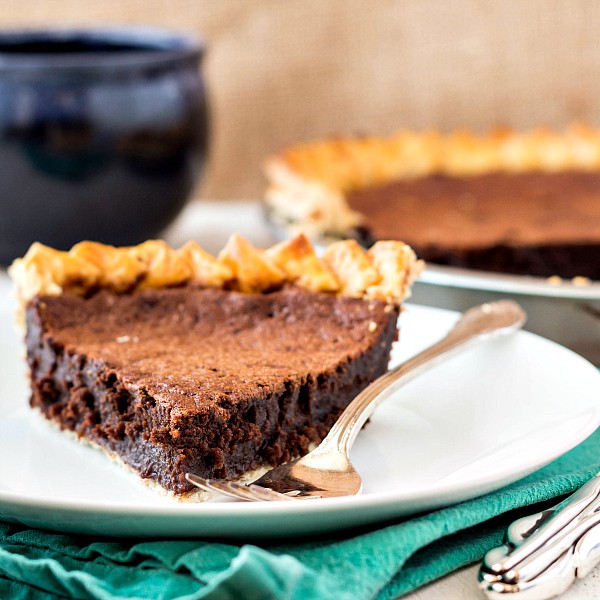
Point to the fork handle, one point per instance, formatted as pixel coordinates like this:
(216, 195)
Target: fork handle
(478, 323)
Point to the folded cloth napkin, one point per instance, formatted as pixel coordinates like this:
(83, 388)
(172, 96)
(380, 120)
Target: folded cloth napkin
(383, 562)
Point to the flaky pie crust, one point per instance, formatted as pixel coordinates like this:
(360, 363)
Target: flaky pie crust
(308, 182)
(385, 272)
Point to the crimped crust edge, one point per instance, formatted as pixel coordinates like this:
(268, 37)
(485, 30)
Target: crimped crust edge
(385, 272)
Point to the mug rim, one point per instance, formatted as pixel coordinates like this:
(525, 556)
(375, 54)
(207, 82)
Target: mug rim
(145, 46)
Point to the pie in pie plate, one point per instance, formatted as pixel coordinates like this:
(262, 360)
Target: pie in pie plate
(175, 361)
(523, 203)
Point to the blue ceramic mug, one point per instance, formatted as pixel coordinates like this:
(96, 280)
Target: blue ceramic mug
(103, 134)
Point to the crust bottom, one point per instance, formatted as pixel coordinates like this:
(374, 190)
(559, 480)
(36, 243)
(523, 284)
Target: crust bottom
(195, 496)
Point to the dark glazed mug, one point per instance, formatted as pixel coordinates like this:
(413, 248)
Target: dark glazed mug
(103, 134)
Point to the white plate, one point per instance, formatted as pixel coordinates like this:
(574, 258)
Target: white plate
(483, 419)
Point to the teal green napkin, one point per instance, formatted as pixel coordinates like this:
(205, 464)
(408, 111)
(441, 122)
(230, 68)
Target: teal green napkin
(382, 562)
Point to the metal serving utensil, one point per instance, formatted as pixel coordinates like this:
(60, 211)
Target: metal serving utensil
(544, 553)
(327, 472)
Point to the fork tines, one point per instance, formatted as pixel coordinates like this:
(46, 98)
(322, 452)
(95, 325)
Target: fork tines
(250, 492)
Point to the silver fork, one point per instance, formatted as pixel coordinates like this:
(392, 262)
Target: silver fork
(326, 471)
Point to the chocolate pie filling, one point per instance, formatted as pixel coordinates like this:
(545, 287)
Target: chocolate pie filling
(532, 223)
(203, 380)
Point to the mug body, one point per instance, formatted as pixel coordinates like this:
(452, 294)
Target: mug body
(103, 135)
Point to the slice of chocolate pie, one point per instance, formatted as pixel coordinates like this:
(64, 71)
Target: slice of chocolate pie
(511, 202)
(174, 361)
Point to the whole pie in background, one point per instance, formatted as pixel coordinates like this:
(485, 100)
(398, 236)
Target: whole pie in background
(512, 202)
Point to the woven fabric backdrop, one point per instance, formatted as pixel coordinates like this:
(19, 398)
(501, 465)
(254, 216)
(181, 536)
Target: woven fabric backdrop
(282, 72)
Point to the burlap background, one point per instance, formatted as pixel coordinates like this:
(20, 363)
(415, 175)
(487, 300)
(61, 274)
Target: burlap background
(283, 71)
